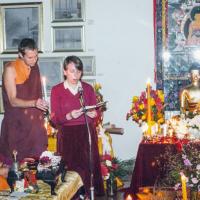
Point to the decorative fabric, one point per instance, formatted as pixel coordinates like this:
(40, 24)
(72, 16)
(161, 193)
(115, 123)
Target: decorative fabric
(64, 191)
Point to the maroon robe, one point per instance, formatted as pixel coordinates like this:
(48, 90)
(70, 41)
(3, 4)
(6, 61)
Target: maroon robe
(73, 134)
(22, 129)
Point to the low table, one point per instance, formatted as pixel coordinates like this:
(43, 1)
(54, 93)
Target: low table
(64, 191)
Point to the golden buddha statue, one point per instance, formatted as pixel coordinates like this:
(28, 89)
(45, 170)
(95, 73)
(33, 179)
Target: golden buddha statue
(190, 95)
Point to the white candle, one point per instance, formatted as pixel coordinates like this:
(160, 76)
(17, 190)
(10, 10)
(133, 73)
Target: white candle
(165, 130)
(44, 87)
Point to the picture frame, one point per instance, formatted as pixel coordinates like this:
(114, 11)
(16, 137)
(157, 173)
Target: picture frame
(68, 38)
(67, 10)
(20, 21)
(51, 69)
(1, 101)
(89, 67)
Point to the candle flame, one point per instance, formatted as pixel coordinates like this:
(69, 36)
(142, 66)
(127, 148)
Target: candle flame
(129, 197)
(148, 81)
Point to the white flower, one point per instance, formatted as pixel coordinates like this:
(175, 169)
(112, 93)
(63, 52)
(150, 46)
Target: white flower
(144, 127)
(108, 163)
(184, 156)
(198, 167)
(176, 187)
(195, 180)
(107, 177)
(48, 154)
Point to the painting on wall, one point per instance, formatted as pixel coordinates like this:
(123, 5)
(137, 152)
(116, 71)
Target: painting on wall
(20, 21)
(177, 31)
(67, 10)
(68, 38)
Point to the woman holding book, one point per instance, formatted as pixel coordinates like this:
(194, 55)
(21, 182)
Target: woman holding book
(67, 99)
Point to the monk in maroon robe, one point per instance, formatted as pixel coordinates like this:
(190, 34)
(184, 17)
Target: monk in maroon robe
(22, 127)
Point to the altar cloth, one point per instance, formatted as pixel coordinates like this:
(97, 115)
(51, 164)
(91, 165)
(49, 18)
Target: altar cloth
(64, 191)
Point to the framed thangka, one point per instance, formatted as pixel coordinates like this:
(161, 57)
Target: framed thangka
(177, 31)
(20, 21)
(68, 38)
(89, 68)
(67, 10)
(51, 69)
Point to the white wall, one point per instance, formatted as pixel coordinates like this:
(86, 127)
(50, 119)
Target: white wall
(122, 38)
(120, 34)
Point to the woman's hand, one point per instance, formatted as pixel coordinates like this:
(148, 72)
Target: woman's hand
(91, 114)
(74, 114)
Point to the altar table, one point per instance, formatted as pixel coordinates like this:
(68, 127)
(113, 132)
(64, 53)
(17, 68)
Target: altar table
(146, 171)
(64, 191)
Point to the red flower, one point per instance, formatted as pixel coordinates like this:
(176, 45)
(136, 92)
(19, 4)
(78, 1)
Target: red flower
(104, 170)
(106, 157)
(114, 166)
(179, 146)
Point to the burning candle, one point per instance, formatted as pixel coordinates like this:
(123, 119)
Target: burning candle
(128, 197)
(184, 189)
(149, 107)
(44, 87)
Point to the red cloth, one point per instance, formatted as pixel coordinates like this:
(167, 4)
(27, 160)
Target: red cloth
(73, 143)
(23, 129)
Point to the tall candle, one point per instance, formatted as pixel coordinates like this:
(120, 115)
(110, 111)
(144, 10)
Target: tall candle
(44, 87)
(184, 189)
(149, 107)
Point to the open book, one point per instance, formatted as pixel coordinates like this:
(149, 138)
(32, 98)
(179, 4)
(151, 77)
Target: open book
(100, 104)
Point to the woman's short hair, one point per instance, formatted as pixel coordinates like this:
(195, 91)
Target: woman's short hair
(77, 62)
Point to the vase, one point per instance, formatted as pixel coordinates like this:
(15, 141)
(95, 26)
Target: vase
(111, 187)
(194, 195)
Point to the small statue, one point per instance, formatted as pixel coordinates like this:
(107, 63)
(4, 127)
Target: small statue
(15, 163)
(190, 95)
(14, 173)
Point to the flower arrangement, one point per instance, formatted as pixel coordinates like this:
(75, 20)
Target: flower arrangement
(109, 167)
(186, 161)
(138, 111)
(99, 98)
(185, 127)
(48, 161)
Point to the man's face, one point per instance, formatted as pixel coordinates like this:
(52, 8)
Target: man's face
(30, 57)
(195, 75)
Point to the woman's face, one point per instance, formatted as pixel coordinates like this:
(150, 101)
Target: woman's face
(73, 75)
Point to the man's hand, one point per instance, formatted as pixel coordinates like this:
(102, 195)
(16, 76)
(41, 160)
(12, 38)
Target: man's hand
(42, 104)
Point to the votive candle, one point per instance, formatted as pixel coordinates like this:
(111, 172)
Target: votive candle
(184, 189)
